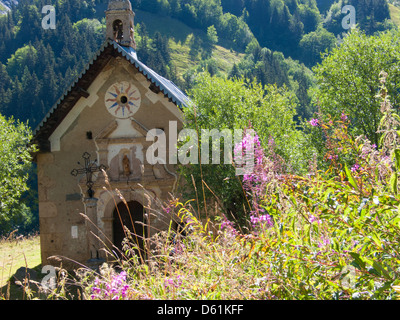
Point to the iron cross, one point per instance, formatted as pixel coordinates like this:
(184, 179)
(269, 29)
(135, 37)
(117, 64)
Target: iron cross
(89, 168)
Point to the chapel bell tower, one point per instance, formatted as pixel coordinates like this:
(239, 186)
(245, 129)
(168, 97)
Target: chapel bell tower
(119, 21)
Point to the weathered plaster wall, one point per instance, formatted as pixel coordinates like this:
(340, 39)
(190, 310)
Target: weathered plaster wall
(62, 229)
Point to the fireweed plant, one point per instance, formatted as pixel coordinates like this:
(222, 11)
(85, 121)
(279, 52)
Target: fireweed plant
(331, 234)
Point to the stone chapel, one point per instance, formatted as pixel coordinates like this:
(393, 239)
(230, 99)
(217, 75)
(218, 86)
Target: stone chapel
(101, 122)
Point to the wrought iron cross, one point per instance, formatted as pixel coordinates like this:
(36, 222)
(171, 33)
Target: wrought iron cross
(89, 168)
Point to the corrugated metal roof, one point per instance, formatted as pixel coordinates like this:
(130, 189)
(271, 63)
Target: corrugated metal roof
(166, 86)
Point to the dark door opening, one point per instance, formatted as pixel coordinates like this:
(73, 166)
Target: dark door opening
(134, 212)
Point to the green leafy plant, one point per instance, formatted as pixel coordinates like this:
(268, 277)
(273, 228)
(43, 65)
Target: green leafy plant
(15, 161)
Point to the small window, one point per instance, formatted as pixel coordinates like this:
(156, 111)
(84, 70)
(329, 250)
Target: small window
(89, 135)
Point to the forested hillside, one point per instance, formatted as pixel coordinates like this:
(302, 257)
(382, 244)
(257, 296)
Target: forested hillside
(266, 41)
(269, 34)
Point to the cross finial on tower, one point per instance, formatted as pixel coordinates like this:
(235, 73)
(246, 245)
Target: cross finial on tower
(120, 22)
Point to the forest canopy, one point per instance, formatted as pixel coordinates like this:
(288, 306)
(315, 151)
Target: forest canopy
(276, 44)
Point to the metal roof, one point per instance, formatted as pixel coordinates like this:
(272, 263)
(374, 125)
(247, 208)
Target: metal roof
(165, 85)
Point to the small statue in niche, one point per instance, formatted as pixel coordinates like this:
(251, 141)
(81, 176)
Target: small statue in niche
(126, 165)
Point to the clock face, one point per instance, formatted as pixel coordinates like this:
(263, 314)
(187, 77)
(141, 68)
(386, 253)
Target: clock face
(123, 99)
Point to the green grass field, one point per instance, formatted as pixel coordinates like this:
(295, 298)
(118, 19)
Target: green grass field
(16, 253)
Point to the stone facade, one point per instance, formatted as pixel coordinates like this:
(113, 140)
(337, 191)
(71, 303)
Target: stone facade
(114, 134)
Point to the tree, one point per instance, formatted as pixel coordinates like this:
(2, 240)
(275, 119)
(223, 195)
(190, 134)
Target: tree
(27, 104)
(161, 45)
(212, 36)
(15, 161)
(234, 73)
(310, 16)
(348, 79)
(25, 56)
(372, 16)
(143, 43)
(232, 104)
(333, 18)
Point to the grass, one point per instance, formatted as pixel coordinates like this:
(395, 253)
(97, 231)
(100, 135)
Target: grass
(167, 26)
(394, 14)
(183, 60)
(15, 253)
(226, 58)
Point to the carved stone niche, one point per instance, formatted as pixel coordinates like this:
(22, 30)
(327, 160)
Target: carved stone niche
(122, 146)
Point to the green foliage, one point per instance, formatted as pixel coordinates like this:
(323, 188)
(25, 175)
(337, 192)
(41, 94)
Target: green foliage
(279, 25)
(232, 104)
(25, 56)
(371, 16)
(334, 231)
(268, 67)
(201, 14)
(55, 57)
(315, 43)
(15, 161)
(40, 64)
(212, 36)
(348, 79)
(89, 26)
(333, 236)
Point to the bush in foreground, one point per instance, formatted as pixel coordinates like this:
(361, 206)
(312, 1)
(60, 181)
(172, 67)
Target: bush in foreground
(332, 234)
(329, 235)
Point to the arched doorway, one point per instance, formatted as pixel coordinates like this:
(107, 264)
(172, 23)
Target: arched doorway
(133, 213)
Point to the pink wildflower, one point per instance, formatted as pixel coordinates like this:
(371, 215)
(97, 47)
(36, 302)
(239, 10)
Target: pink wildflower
(114, 290)
(228, 225)
(261, 220)
(325, 242)
(314, 219)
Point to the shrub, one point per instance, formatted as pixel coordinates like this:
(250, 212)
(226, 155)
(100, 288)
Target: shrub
(15, 163)
(234, 104)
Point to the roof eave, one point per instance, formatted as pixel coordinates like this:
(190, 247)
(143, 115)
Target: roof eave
(78, 89)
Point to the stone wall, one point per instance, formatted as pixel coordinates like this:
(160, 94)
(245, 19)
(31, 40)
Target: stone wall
(89, 127)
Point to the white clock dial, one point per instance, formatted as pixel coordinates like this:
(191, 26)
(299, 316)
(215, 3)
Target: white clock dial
(123, 99)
